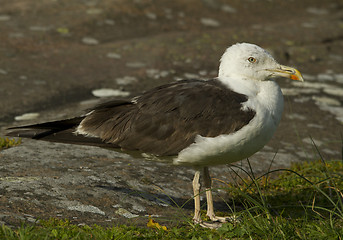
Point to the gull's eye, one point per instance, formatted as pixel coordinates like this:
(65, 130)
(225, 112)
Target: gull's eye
(252, 59)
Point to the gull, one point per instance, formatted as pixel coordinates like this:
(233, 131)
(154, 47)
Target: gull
(196, 123)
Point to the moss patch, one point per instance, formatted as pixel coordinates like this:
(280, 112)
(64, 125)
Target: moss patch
(7, 143)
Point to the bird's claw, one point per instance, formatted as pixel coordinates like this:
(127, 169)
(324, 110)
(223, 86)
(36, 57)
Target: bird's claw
(224, 219)
(211, 225)
(216, 222)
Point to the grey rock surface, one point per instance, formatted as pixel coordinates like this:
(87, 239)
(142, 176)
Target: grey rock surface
(54, 54)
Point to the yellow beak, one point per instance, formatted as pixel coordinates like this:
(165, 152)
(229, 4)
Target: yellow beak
(287, 72)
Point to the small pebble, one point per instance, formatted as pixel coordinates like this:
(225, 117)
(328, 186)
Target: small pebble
(39, 82)
(302, 99)
(16, 35)
(31, 219)
(334, 110)
(336, 57)
(4, 18)
(312, 85)
(125, 213)
(113, 55)
(164, 73)
(151, 16)
(178, 78)
(27, 116)
(191, 76)
(228, 9)
(326, 101)
(86, 208)
(138, 208)
(296, 116)
(334, 91)
(339, 78)
(313, 125)
(152, 72)
(308, 25)
(126, 80)
(325, 77)
(168, 13)
(89, 102)
(203, 73)
(329, 151)
(107, 92)
(317, 11)
(135, 64)
(155, 73)
(311, 141)
(297, 91)
(209, 22)
(109, 22)
(90, 41)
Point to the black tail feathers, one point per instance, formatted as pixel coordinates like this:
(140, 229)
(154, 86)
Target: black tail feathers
(43, 130)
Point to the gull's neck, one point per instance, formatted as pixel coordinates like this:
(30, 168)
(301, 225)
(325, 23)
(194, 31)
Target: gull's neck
(241, 84)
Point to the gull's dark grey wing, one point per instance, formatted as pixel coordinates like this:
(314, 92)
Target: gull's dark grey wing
(166, 119)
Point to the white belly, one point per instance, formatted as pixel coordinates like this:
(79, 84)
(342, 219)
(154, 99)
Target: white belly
(206, 151)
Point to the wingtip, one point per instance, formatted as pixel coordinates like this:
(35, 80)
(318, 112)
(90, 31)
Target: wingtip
(20, 133)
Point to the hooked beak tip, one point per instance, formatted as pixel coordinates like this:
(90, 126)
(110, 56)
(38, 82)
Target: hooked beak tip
(288, 72)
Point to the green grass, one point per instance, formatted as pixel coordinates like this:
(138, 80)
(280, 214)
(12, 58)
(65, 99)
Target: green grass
(304, 202)
(7, 143)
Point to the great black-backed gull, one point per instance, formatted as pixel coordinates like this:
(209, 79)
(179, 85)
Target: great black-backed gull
(199, 123)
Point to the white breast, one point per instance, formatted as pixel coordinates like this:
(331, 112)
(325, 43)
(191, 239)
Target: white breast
(266, 99)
